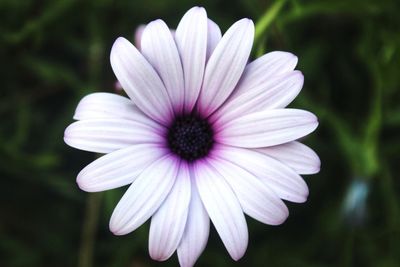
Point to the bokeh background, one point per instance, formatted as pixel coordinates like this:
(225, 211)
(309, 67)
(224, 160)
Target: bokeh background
(55, 52)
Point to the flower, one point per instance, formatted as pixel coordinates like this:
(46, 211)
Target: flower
(203, 135)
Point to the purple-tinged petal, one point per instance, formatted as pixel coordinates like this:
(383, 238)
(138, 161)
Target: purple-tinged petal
(159, 48)
(140, 81)
(191, 40)
(257, 200)
(118, 168)
(266, 128)
(283, 180)
(144, 196)
(272, 94)
(107, 135)
(265, 68)
(197, 229)
(213, 37)
(168, 223)
(138, 36)
(296, 155)
(223, 208)
(225, 66)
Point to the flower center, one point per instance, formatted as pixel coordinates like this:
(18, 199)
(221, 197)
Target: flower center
(190, 137)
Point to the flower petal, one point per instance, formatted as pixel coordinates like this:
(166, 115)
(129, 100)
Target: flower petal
(266, 128)
(226, 65)
(159, 48)
(265, 68)
(213, 37)
(197, 229)
(284, 181)
(168, 223)
(296, 155)
(257, 200)
(223, 208)
(144, 196)
(138, 36)
(140, 81)
(107, 106)
(191, 40)
(118, 168)
(107, 135)
(272, 94)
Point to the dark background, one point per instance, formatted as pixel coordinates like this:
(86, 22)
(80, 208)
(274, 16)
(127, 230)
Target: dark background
(54, 52)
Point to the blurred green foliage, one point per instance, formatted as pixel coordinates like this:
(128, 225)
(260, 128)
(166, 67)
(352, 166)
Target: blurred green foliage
(55, 52)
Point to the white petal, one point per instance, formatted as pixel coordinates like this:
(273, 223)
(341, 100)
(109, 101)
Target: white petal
(140, 81)
(118, 168)
(213, 37)
(107, 135)
(226, 65)
(138, 36)
(159, 48)
(106, 105)
(197, 229)
(299, 157)
(223, 208)
(191, 40)
(257, 200)
(284, 181)
(265, 68)
(144, 196)
(272, 94)
(168, 223)
(267, 128)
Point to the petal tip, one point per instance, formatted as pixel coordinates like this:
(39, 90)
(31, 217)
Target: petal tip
(290, 57)
(83, 182)
(238, 255)
(201, 12)
(118, 42)
(117, 46)
(310, 117)
(114, 224)
(246, 20)
(201, 9)
(317, 167)
(157, 256)
(303, 200)
(316, 122)
(298, 74)
(282, 219)
(67, 135)
(80, 182)
(196, 10)
(303, 197)
(248, 23)
(115, 230)
(295, 59)
(156, 22)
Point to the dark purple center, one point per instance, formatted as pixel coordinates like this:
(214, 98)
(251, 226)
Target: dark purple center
(190, 137)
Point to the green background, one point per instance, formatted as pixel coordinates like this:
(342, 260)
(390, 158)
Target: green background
(55, 52)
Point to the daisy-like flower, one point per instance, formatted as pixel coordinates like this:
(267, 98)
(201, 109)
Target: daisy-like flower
(203, 135)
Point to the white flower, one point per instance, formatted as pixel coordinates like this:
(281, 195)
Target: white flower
(204, 135)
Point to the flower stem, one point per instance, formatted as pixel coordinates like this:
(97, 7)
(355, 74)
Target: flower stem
(374, 124)
(266, 20)
(89, 230)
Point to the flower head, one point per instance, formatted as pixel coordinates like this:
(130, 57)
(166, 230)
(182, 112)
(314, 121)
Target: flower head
(203, 135)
